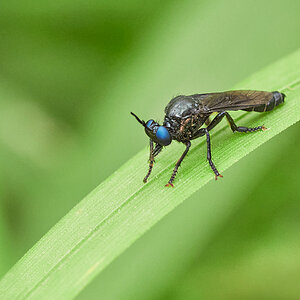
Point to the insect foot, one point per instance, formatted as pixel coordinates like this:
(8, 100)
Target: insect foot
(219, 175)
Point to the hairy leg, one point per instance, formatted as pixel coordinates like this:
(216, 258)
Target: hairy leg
(170, 182)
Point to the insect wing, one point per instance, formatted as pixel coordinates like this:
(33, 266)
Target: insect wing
(233, 100)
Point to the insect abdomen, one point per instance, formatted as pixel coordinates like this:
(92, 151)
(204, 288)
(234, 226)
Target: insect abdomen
(277, 99)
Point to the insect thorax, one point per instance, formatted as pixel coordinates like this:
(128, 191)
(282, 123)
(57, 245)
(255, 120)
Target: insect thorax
(183, 129)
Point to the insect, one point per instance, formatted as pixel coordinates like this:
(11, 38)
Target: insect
(185, 116)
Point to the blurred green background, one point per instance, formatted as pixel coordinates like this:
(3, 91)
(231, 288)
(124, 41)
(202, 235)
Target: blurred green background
(70, 73)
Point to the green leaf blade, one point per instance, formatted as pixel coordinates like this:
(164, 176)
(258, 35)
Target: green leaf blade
(122, 208)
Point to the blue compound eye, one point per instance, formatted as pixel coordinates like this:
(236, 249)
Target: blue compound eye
(163, 136)
(149, 123)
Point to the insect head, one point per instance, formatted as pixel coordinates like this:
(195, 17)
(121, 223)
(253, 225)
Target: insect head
(157, 133)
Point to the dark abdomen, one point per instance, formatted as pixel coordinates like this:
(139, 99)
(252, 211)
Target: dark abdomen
(277, 99)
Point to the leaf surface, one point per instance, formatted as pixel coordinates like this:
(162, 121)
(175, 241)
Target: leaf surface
(122, 208)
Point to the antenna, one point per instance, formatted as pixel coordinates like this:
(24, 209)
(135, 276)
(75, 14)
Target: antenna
(138, 119)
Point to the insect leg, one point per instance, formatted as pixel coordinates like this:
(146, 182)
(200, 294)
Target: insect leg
(234, 127)
(151, 162)
(153, 152)
(170, 182)
(205, 131)
(209, 155)
(207, 121)
(217, 119)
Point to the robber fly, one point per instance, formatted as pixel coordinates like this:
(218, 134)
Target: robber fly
(185, 116)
